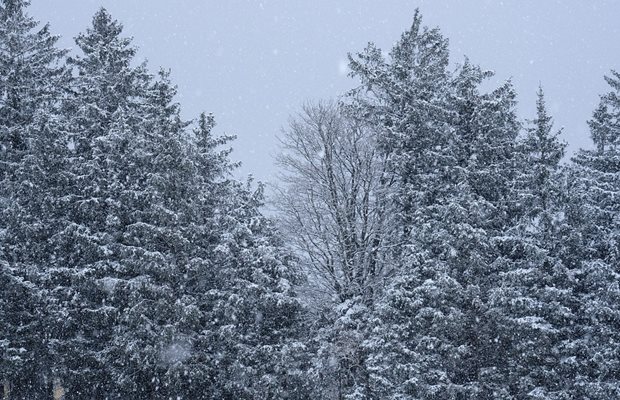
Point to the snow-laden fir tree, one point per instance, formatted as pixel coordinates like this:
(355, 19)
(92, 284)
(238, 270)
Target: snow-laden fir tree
(154, 203)
(405, 96)
(32, 82)
(174, 284)
(188, 357)
(253, 317)
(533, 296)
(594, 213)
(452, 149)
(31, 76)
(542, 151)
(102, 119)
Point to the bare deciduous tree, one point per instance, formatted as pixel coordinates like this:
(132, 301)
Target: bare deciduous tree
(332, 203)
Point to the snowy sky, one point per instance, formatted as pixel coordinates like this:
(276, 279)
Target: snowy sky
(253, 63)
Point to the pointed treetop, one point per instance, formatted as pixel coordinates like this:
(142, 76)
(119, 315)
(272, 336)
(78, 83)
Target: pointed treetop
(470, 76)
(543, 120)
(104, 25)
(206, 122)
(419, 58)
(417, 19)
(30, 62)
(409, 37)
(162, 95)
(421, 50)
(103, 40)
(601, 132)
(540, 136)
(605, 122)
(13, 7)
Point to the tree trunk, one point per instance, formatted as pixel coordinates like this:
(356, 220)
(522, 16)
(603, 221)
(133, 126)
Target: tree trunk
(59, 391)
(7, 389)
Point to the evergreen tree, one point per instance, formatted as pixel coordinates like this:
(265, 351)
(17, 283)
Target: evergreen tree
(543, 151)
(533, 297)
(103, 120)
(452, 152)
(32, 82)
(406, 98)
(148, 290)
(31, 73)
(254, 315)
(248, 342)
(595, 214)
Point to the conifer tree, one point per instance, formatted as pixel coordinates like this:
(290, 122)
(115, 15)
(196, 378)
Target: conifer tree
(594, 213)
(33, 79)
(154, 179)
(452, 154)
(543, 151)
(31, 74)
(406, 97)
(104, 117)
(533, 298)
(247, 341)
(160, 242)
(254, 316)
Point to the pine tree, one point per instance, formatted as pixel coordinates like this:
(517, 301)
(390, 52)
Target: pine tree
(543, 152)
(31, 75)
(33, 79)
(406, 97)
(594, 214)
(453, 156)
(247, 340)
(255, 315)
(486, 131)
(533, 299)
(103, 119)
(155, 193)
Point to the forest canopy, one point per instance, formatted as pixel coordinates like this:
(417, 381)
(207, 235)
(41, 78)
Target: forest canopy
(426, 243)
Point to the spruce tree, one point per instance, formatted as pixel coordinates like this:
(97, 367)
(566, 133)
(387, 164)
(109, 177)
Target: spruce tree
(453, 156)
(254, 316)
(31, 76)
(594, 214)
(104, 117)
(161, 242)
(33, 80)
(405, 98)
(154, 180)
(533, 300)
(242, 277)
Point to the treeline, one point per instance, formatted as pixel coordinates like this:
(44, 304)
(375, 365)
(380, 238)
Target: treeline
(429, 245)
(132, 265)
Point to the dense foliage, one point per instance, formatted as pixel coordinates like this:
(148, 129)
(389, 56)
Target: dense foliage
(133, 265)
(427, 244)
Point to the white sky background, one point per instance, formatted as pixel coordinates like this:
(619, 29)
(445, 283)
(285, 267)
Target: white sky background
(253, 63)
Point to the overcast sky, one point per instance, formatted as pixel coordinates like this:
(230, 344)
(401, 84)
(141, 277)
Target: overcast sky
(253, 63)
